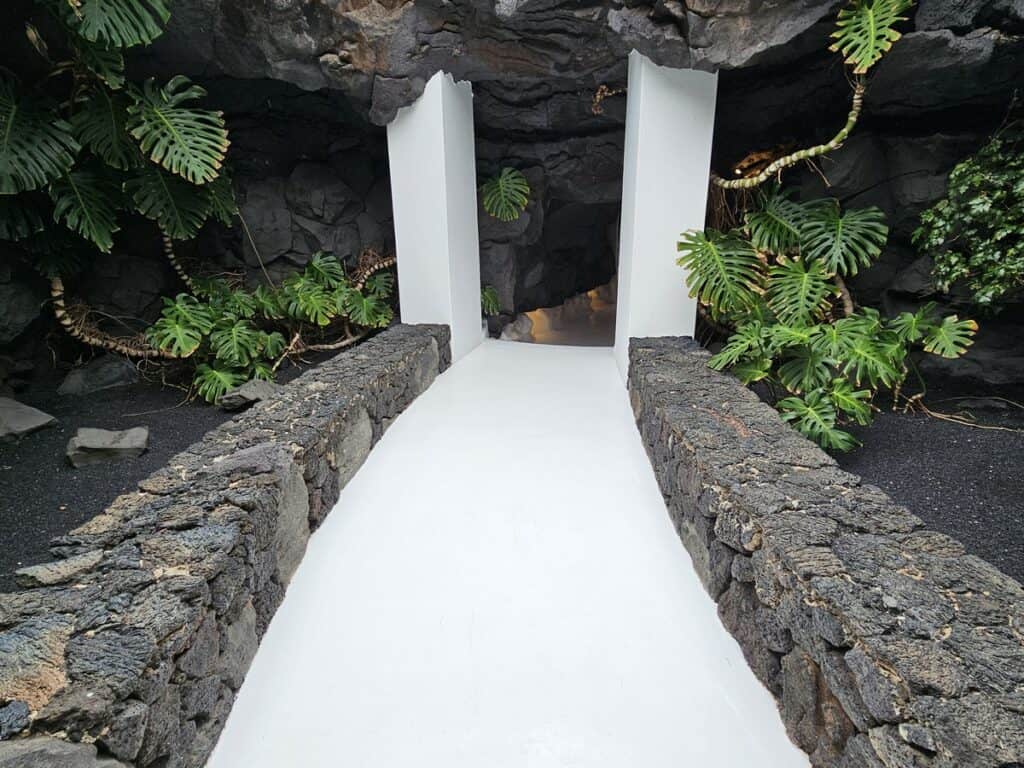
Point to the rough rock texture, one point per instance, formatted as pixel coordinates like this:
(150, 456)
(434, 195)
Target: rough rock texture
(146, 628)
(250, 392)
(885, 644)
(105, 372)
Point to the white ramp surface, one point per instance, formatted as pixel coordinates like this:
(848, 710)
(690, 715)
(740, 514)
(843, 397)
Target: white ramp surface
(500, 586)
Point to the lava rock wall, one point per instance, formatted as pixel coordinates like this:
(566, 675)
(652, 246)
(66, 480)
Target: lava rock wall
(885, 644)
(128, 651)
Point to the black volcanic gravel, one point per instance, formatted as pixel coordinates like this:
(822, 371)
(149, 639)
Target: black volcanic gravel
(963, 481)
(42, 496)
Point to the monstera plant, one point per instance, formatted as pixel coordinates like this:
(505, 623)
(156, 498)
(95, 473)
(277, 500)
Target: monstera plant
(506, 194)
(865, 31)
(777, 284)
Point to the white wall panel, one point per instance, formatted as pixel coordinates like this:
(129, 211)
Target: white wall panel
(432, 155)
(670, 115)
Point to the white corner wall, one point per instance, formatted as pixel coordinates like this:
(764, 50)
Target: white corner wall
(670, 116)
(432, 155)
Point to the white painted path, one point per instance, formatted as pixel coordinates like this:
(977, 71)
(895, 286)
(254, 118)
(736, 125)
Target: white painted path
(500, 587)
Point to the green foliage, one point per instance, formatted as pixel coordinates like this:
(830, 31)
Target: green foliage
(865, 31)
(490, 304)
(723, 270)
(184, 140)
(110, 146)
(234, 335)
(506, 195)
(36, 145)
(776, 283)
(976, 233)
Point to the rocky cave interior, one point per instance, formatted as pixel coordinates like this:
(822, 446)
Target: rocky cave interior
(309, 156)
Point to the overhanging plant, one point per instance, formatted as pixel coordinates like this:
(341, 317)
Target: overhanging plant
(777, 284)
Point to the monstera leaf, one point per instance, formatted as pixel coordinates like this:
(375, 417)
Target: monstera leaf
(178, 208)
(117, 23)
(797, 290)
(86, 202)
(212, 381)
(105, 63)
(864, 31)
(36, 146)
(774, 226)
(100, 125)
(506, 195)
(186, 141)
(950, 337)
(842, 241)
(723, 269)
(221, 196)
(814, 415)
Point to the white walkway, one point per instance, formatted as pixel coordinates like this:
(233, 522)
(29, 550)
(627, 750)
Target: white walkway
(500, 587)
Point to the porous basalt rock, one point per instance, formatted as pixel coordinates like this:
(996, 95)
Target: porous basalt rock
(137, 640)
(885, 644)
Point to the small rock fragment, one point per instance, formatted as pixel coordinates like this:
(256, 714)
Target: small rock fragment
(94, 446)
(251, 392)
(18, 419)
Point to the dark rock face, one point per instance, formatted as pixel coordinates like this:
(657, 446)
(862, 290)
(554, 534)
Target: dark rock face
(136, 640)
(884, 643)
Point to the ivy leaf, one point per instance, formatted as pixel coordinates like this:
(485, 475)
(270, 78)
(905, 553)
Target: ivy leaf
(951, 337)
(36, 146)
(186, 141)
(86, 202)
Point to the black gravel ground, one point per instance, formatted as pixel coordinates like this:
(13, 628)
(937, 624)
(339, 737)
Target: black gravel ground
(964, 481)
(42, 496)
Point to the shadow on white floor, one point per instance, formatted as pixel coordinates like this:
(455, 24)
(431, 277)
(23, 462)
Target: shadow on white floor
(500, 587)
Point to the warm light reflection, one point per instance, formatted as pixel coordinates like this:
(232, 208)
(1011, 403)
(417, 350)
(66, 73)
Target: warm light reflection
(587, 320)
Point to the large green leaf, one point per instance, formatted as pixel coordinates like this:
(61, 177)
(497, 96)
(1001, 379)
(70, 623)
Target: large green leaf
(222, 199)
(86, 202)
(105, 63)
(367, 311)
(950, 337)
(235, 342)
(797, 290)
(748, 342)
(178, 208)
(325, 269)
(36, 146)
(306, 299)
(804, 369)
(842, 241)
(774, 226)
(506, 195)
(100, 125)
(724, 270)
(118, 23)
(187, 141)
(814, 415)
(213, 382)
(864, 31)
